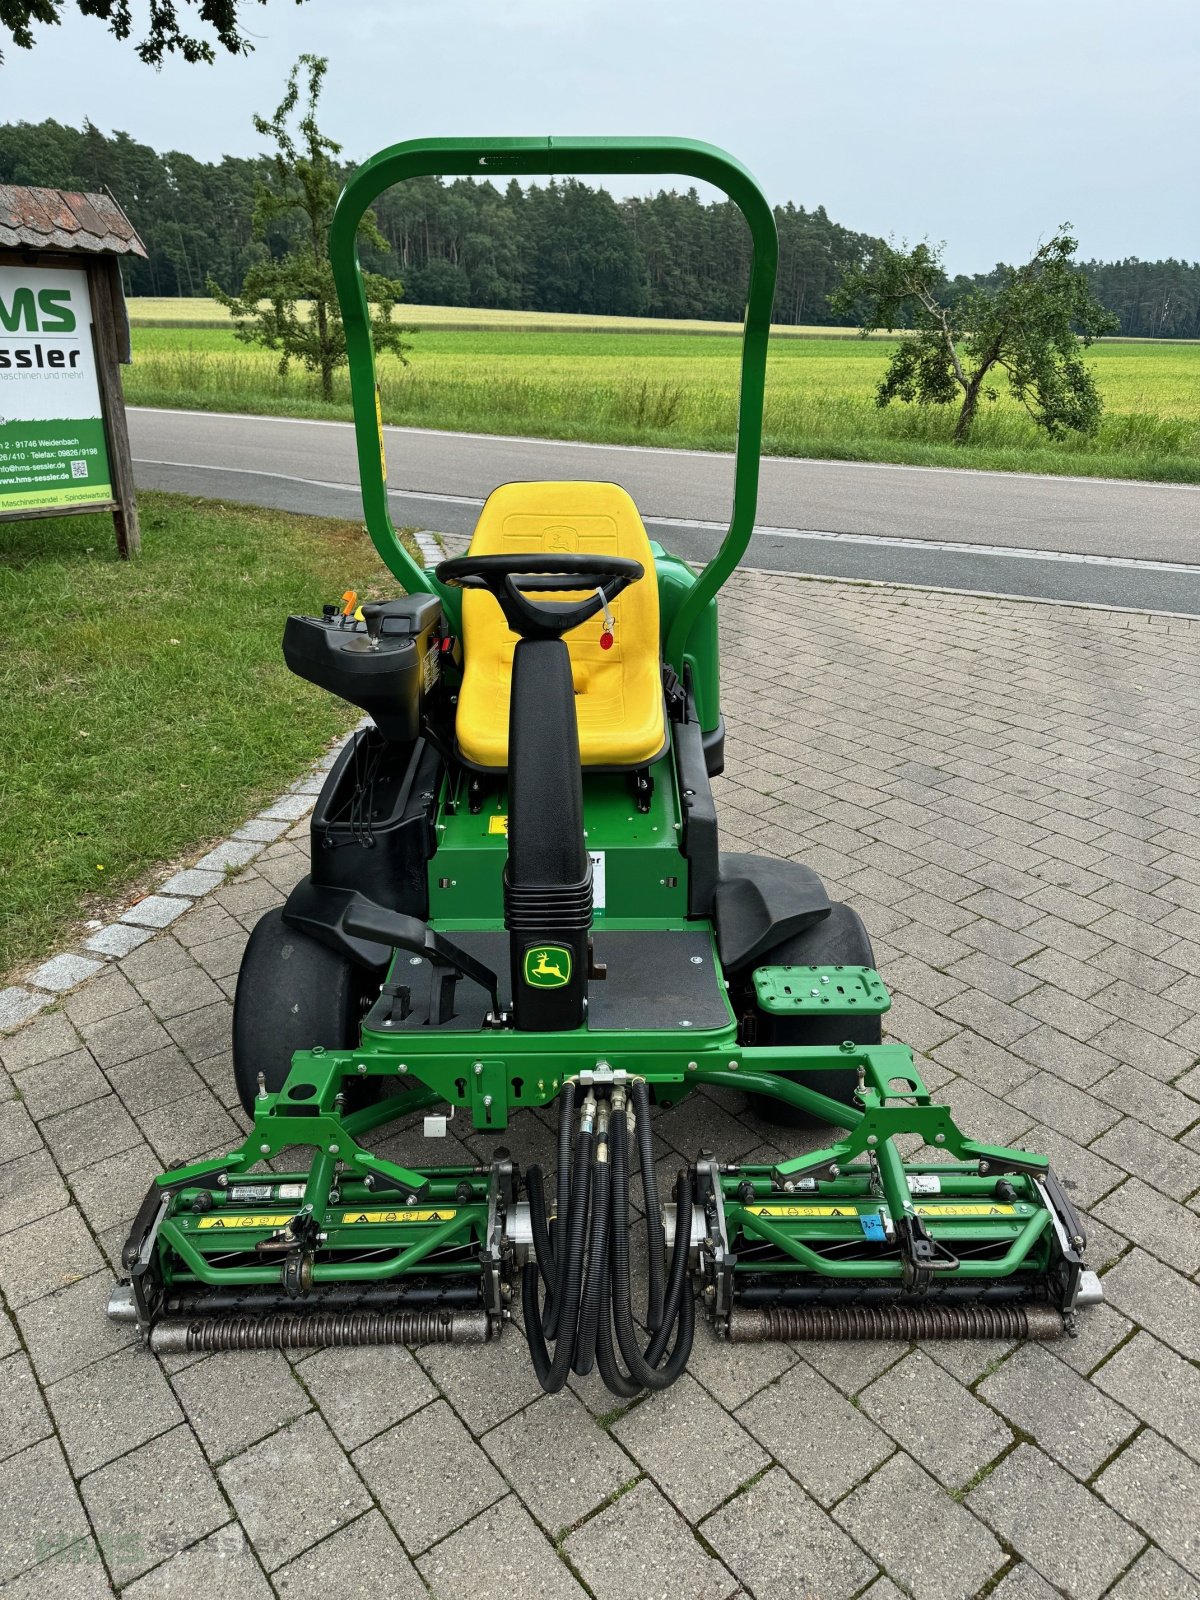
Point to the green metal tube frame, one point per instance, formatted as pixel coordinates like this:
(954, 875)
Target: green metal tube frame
(798, 1251)
(323, 1272)
(544, 157)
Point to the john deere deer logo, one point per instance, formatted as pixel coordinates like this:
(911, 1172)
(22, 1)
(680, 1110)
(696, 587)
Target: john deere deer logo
(547, 966)
(561, 538)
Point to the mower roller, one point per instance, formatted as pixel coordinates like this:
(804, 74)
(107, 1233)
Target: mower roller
(517, 901)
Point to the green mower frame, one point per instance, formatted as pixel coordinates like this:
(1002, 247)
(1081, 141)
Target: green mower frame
(398, 939)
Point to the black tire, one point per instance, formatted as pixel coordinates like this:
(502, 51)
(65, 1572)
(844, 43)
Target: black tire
(293, 993)
(840, 939)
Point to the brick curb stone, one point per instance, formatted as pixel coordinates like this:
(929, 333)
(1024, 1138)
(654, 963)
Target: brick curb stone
(177, 894)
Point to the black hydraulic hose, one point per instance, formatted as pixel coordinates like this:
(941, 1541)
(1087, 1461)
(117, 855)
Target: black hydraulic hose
(597, 1263)
(640, 1369)
(606, 1360)
(562, 1194)
(552, 1371)
(679, 1302)
(562, 1178)
(542, 1248)
(535, 1189)
(655, 1245)
(542, 1261)
(562, 1189)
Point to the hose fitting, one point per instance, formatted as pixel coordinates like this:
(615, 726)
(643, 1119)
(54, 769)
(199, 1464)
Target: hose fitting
(587, 1112)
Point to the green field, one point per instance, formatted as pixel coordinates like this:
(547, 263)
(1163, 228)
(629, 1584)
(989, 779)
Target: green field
(146, 705)
(164, 311)
(679, 388)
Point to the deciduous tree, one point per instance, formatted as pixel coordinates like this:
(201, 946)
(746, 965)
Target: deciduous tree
(166, 31)
(1031, 324)
(304, 178)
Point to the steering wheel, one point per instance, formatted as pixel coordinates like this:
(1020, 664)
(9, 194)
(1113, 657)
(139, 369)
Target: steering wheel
(511, 579)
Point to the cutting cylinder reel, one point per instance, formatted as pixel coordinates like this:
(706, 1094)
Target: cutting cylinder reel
(837, 1245)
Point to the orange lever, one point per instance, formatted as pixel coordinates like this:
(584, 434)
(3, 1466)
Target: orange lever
(351, 601)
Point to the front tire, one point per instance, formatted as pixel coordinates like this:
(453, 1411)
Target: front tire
(292, 993)
(840, 939)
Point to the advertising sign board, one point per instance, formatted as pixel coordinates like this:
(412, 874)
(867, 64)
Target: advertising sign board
(53, 449)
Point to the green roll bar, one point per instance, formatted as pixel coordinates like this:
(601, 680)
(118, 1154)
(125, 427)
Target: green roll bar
(544, 156)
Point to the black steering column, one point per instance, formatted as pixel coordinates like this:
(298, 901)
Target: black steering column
(548, 877)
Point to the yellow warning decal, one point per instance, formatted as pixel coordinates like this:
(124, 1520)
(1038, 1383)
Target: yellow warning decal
(350, 1217)
(984, 1208)
(256, 1219)
(977, 1209)
(803, 1211)
(498, 825)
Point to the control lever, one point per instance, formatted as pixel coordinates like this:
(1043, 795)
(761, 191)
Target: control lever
(373, 612)
(377, 923)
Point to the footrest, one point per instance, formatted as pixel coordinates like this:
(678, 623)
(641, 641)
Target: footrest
(828, 991)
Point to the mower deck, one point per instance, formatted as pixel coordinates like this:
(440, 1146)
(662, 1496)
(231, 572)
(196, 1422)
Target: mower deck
(846, 1241)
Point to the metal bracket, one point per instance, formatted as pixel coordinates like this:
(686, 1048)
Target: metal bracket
(492, 1260)
(487, 1089)
(437, 1124)
(708, 1188)
(602, 1073)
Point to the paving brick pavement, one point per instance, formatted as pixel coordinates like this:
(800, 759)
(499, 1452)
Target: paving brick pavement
(1009, 794)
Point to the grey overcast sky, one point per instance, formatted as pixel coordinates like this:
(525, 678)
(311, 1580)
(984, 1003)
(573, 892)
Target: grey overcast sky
(983, 123)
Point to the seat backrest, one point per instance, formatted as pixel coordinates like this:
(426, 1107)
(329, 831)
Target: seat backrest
(619, 690)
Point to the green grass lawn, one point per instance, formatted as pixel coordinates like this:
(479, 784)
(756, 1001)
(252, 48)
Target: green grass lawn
(680, 388)
(146, 705)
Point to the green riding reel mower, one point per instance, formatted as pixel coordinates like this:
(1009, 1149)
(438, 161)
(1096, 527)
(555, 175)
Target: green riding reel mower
(517, 900)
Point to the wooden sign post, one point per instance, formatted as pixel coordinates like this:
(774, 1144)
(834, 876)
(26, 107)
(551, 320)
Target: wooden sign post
(64, 445)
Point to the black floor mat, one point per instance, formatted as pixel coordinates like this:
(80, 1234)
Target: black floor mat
(656, 981)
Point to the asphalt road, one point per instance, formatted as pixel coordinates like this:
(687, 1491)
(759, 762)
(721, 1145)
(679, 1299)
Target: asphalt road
(1083, 539)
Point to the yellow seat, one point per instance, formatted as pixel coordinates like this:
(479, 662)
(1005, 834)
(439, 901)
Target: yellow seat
(618, 692)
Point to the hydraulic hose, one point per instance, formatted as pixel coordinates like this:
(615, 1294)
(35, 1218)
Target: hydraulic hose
(542, 1248)
(597, 1261)
(616, 1381)
(552, 1371)
(562, 1178)
(679, 1302)
(644, 1372)
(562, 1194)
(607, 1364)
(655, 1243)
(585, 1262)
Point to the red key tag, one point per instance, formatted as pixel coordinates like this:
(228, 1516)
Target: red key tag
(606, 636)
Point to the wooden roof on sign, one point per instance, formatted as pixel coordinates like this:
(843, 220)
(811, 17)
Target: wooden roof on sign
(64, 219)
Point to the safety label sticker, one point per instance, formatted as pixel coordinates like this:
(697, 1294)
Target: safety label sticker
(850, 1211)
(981, 1208)
(596, 857)
(984, 1208)
(253, 1219)
(349, 1217)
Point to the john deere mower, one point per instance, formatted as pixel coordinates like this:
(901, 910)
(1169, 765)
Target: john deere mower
(517, 900)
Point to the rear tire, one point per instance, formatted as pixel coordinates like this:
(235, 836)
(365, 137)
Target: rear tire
(293, 993)
(840, 939)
